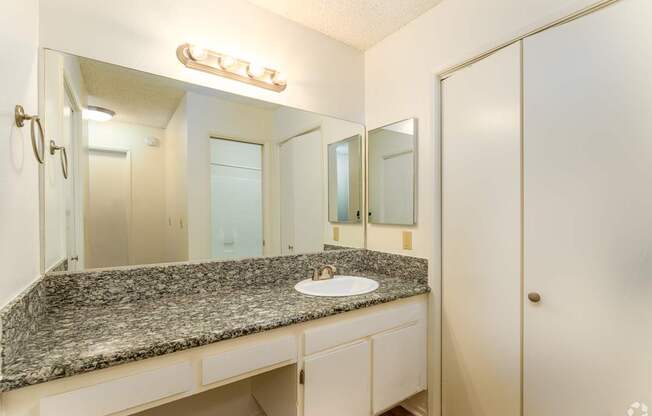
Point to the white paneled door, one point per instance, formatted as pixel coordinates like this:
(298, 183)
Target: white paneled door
(481, 238)
(588, 214)
(302, 199)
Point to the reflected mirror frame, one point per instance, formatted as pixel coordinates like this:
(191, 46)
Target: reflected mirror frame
(357, 137)
(415, 171)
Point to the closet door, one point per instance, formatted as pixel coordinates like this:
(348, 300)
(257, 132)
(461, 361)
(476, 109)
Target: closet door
(302, 203)
(588, 214)
(481, 237)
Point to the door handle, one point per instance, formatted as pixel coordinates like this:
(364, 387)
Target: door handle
(534, 297)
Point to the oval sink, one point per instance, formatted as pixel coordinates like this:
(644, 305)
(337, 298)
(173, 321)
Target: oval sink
(337, 286)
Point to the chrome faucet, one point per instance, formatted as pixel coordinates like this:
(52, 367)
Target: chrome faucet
(324, 272)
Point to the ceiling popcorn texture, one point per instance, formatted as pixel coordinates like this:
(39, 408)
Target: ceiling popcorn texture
(358, 23)
(135, 96)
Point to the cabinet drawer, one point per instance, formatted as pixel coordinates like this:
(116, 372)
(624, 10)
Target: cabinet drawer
(121, 394)
(348, 330)
(248, 358)
(399, 365)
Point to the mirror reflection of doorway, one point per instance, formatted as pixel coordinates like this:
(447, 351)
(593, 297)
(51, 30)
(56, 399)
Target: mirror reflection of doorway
(109, 208)
(301, 194)
(236, 199)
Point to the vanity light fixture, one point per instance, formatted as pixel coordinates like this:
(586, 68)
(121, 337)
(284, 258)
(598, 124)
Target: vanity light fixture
(227, 62)
(279, 78)
(198, 53)
(202, 59)
(95, 113)
(255, 71)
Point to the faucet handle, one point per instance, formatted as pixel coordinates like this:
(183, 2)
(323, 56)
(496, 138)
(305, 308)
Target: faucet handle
(324, 272)
(332, 270)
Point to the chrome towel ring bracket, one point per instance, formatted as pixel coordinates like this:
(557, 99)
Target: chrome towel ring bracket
(21, 117)
(64, 157)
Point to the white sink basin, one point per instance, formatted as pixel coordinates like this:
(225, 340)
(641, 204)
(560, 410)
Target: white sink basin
(337, 286)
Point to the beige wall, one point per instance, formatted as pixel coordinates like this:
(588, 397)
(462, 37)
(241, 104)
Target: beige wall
(147, 236)
(400, 83)
(19, 203)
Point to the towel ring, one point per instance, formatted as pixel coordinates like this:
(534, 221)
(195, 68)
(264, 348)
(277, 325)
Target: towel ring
(64, 157)
(20, 118)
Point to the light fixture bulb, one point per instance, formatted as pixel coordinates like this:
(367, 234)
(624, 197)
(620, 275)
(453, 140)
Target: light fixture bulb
(95, 113)
(279, 78)
(226, 62)
(197, 53)
(255, 70)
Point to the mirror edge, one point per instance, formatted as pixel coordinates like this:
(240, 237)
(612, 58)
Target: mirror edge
(415, 176)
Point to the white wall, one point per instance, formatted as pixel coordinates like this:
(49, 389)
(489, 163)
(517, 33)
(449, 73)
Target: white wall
(19, 203)
(400, 83)
(324, 75)
(148, 219)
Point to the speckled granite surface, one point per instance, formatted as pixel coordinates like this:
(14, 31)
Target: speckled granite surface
(328, 247)
(92, 320)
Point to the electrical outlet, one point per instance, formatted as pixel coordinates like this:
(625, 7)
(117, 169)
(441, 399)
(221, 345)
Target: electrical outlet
(407, 240)
(336, 233)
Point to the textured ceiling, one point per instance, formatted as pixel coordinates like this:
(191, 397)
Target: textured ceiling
(135, 96)
(359, 23)
(142, 98)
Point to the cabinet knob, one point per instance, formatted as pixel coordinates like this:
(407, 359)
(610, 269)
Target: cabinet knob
(534, 297)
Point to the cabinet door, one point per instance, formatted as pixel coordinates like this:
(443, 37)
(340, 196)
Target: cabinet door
(588, 214)
(399, 365)
(338, 383)
(481, 238)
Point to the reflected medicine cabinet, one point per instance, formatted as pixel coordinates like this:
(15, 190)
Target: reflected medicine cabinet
(392, 157)
(344, 179)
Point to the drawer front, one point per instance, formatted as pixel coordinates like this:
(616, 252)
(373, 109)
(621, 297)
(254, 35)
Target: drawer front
(121, 394)
(248, 358)
(348, 330)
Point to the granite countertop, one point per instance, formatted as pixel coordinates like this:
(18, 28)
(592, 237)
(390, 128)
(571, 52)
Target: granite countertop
(73, 340)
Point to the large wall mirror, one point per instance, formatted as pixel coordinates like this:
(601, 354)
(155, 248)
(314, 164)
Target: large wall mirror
(161, 171)
(392, 173)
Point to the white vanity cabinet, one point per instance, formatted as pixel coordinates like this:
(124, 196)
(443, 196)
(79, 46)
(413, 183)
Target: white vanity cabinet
(338, 381)
(399, 365)
(367, 364)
